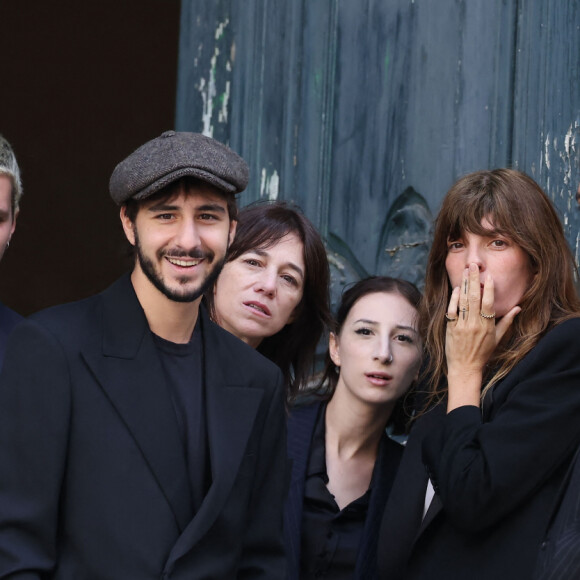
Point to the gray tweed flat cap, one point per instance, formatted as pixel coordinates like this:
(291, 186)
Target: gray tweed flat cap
(173, 155)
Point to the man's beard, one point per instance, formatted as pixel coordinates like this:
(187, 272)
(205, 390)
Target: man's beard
(175, 294)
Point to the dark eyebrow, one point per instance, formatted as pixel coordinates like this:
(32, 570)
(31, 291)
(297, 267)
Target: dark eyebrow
(212, 207)
(264, 253)
(398, 326)
(366, 321)
(296, 268)
(205, 207)
(161, 207)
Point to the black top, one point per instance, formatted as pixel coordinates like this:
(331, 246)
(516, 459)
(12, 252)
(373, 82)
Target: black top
(559, 557)
(330, 536)
(182, 364)
(8, 320)
(496, 472)
(94, 480)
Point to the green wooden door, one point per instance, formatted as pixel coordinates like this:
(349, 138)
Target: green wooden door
(364, 112)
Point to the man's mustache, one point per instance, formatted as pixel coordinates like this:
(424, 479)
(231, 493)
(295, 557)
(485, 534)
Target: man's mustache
(194, 253)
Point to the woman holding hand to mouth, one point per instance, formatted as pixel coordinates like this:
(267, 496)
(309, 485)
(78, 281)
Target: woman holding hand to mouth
(343, 462)
(272, 292)
(502, 327)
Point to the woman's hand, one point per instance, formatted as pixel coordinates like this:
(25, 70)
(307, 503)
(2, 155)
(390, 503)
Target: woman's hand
(472, 336)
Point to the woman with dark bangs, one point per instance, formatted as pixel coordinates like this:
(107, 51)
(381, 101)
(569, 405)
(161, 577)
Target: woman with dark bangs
(273, 290)
(502, 421)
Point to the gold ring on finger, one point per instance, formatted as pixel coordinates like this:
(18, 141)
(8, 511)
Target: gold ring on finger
(487, 316)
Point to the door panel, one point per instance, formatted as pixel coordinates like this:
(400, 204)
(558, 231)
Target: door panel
(364, 112)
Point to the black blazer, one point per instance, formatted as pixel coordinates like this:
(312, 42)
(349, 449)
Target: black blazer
(300, 432)
(8, 320)
(93, 479)
(560, 551)
(496, 472)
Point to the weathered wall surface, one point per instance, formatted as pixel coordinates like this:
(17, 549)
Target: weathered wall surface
(364, 112)
(546, 133)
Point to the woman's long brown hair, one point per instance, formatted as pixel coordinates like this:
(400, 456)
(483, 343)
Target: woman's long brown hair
(518, 209)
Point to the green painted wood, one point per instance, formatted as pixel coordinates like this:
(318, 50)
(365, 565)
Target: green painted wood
(364, 112)
(417, 103)
(546, 139)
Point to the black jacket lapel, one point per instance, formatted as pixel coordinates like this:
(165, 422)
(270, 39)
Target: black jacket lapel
(385, 470)
(403, 513)
(129, 371)
(231, 411)
(300, 430)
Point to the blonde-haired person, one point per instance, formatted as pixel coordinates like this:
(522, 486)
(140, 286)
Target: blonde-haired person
(10, 193)
(501, 320)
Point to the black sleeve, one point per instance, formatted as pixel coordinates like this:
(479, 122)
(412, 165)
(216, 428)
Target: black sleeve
(34, 418)
(483, 470)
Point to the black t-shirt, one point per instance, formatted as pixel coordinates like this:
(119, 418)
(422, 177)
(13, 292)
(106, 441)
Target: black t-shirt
(183, 366)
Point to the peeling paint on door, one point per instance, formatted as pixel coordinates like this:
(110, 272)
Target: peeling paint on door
(212, 100)
(269, 185)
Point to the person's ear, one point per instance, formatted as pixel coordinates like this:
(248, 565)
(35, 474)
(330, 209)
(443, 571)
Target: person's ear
(14, 223)
(334, 349)
(232, 232)
(128, 225)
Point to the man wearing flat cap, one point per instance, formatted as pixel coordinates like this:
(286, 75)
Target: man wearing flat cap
(138, 440)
